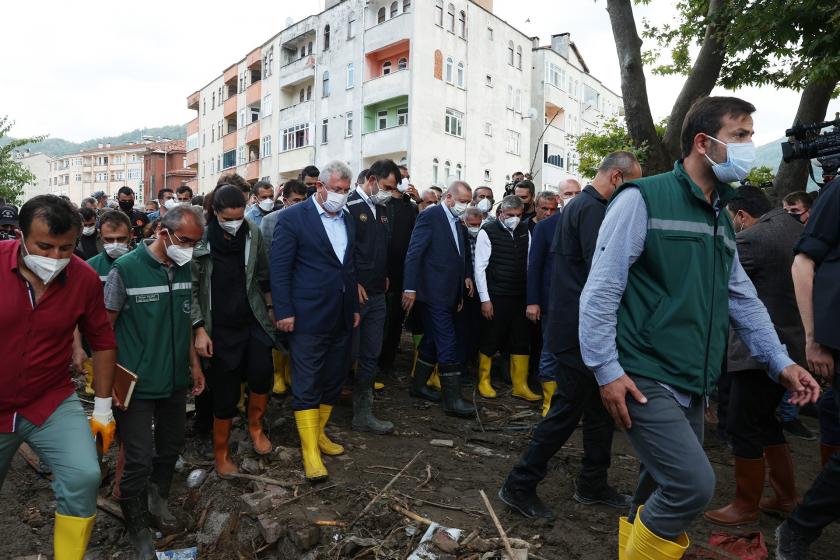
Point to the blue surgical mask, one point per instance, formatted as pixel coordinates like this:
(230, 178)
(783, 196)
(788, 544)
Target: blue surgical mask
(739, 160)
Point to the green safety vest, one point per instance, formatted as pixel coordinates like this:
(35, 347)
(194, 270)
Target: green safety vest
(102, 264)
(153, 328)
(673, 319)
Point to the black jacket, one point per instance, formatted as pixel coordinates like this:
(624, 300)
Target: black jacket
(371, 244)
(400, 214)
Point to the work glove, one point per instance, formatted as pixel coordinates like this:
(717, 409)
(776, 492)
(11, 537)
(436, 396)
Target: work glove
(102, 421)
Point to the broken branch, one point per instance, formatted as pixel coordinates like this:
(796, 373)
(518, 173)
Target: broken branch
(496, 522)
(387, 486)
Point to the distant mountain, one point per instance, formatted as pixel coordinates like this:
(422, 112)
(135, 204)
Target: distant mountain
(59, 147)
(769, 154)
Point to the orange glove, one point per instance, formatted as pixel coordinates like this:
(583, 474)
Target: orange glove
(102, 422)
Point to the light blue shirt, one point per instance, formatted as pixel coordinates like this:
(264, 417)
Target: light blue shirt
(336, 230)
(621, 241)
(453, 224)
(255, 214)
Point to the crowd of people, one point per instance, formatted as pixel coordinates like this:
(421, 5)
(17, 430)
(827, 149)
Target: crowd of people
(627, 302)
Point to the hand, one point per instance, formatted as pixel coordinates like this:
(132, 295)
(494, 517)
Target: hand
(198, 380)
(357, 318)
(487, 310)
(363, 297)
(412, 192)
(820, 360)
(614, 396)
(801, 386)
(286, 325)
(102, 422)
(203, 344)
(79, 357)
(469, 285)
(408, 300)
(532, 312)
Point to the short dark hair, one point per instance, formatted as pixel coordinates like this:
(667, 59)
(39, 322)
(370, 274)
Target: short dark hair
(260, 185)
(751, 200)
(197, 200)
(382, 168)
(362, 177)
(221, 198)
(115, 218)
(526, 184)
(154, 203)
(293, 186)
(87, 213)
(475, 191)
(517, 173)
(126, 191)
(161, 192)
(706, 117)
(309, 171)
(234, 179)
(799, 196)
(184, 189)
(438, 189)
(58, 213)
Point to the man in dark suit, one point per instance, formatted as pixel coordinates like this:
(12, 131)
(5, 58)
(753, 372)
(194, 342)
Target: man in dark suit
(316, 301)
(765, 239)
(438, 268)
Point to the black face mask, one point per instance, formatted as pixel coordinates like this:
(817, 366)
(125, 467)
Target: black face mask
(310, 191)
(126, 205)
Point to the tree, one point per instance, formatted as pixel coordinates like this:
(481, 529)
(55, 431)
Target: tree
(13, 175)
(759, 176)
(611, 136)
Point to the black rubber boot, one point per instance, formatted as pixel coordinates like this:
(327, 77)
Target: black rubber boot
(363, 418)
(135, 515)
(161, 518)
(450, 388)
(422, 372)
(524, 500)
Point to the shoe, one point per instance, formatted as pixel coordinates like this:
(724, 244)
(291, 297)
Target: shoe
(780, 472)
(135, 513)
(221, 449)
(519, 378)
(625, 528)
(789, 545)
(71, 536)
(422, 371)
(309, 428)
(162, 518)
(749, 483)
(256, 412)
(363, 418)
(485, 389)
(279, 359)
(826, 451)
(327, 446)
(608, 496)
(525, 502)
(795, 428)
(453, 405)
(548, 388)
(644, 544)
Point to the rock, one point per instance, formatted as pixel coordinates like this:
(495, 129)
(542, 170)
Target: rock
(287, 456)
(442, 443)
(306, 536)
(270, 528)
(244, 447)
(278, 423)
(352, 545)
(213, 526)
(250, 466)
(196, 478)
(444, 542)
(256, 502)
(286, 548)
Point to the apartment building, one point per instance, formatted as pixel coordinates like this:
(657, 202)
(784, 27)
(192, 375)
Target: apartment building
(104, 168)
(165, 165)
(39, 165)
(445, 87)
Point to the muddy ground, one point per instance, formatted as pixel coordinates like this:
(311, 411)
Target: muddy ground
(442, 485)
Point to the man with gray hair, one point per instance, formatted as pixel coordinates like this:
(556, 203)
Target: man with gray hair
(545, 205)
(570, 188)
(430, 197)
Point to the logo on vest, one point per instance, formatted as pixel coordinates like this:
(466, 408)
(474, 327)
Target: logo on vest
(146, 298)
(363, 217)
(186, 307)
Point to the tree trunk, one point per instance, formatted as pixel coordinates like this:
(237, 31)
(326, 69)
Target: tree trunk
(793, 176)
(640, 126)
(702, 79)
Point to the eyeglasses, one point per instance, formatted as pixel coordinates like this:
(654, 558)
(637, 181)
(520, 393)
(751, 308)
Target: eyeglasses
(183, 240)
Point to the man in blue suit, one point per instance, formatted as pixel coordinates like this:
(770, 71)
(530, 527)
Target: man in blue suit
(438, 269)
(315, 296)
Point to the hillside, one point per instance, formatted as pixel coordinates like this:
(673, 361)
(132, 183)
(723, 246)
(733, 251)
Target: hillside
(60, 147)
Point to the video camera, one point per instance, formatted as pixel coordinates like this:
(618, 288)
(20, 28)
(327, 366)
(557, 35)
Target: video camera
(808, 143)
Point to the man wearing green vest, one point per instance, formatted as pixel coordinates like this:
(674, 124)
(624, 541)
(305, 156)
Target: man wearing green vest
(148, 297)
(115, 232)
(664, 285)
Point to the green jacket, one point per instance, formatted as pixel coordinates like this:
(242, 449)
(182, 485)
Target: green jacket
(102, 264)
(153, 328)
(256, 273)
(674, 316)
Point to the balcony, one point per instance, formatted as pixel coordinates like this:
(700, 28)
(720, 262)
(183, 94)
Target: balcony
(293, 160)
(193, 101)
(253, 94)
(230, 74)
(394, 84)
(295, 114)
(252, 132)
(192, 127)
(250, 171)
(381, 35)
(393, 140)
(230, 106)
(192, 159)
(298, 71)
(254, 57)
(229, 142)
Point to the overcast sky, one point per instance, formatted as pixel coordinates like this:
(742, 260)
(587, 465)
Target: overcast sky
(79, 70)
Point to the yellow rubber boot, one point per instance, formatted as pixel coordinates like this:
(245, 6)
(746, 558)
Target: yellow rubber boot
(434, 379)
(625, 528)
(240, 406)
(279, 359)
(519, 377)
(326, 446)
(87, 366)
(485, 389)
(643, 544)
(309, 427)
(71, 536)
(378, 385)
(287, 372)
(548, 391)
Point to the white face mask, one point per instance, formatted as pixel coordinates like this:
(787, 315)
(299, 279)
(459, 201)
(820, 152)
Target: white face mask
(170, 203)
(484, 205)
(231, 226)
(403, 186)
(266, 205)
(116, 250)
(739, 160)
(45, 268)
(458, 209)
(474, 230)
(87, 231)
(179, 255)
(335, 201)
(512, 222)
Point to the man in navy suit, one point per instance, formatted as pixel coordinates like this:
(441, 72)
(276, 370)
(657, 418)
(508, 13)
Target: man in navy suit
(438, 269)
(316, 301)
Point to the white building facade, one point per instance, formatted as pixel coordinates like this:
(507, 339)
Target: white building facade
(39, 165)
(104, 168)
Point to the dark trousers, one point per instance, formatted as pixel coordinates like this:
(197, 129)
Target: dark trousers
(249, 360)
(724, 388)
(751, 419)
(821, 505)
(508, 330)
(393, 328)
(535, 330)
(576, 396)
(440, 343)
(367, 339)
(152, 434)
(829, 413)
(319, 366)
(469, 328)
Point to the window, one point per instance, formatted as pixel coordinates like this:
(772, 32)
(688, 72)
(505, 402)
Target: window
(136, 173)
(406, 5)
(327, 38)
(219, 162)
(296, 137)
(460, 74)
(241, 155)
(462, 24)
(309, 92)
(519, 57)
(488, 128)
(452, 122)
(590, 96)
(402, 64)
(449, 69)
(101, 177)
(301, 95)
(386, 67)
(488, 80)
(268, 62)
(204, 107)
(203, 139)
(212, 132)
(489, 33)
(513, 142)
(380, 15)
(555, 75)
(348, 121)
(381, 120)
(551, 158)
(213, 101)
(402, 116)
(458, 170)
(325, 84)
(350, 75)
(324, 127)
(310, 48)
(394, 8)
(255, 114)
(439, 13)
(510, 53)
(509, 100)
(450, 18)
(435, 171)
(487, 175)
(242, 121)
(228, 159)
(265, 148)
(192, 141)
(351, 25)
(447, 167)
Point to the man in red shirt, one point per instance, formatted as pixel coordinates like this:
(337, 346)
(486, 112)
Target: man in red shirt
(47, 292)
